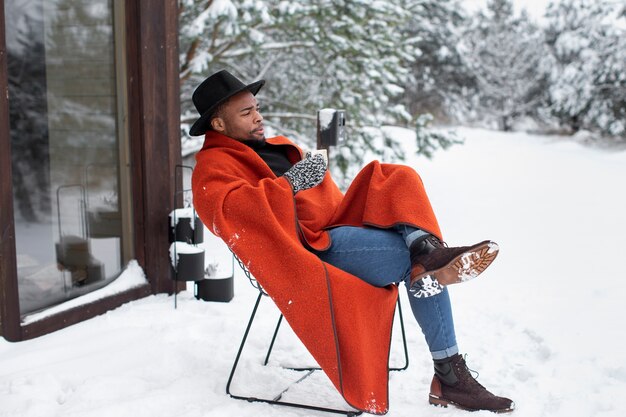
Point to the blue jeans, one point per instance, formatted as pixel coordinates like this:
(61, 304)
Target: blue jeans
(381, 257)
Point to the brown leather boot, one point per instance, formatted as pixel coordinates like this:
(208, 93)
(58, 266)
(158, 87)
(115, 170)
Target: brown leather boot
(433, 265)
(453, 384)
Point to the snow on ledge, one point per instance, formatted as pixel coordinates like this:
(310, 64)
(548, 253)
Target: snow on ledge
(132, 277)
(177, 248)
(187, 212)
(326, 117)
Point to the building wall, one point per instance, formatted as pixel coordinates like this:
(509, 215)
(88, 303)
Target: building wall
(77, 79)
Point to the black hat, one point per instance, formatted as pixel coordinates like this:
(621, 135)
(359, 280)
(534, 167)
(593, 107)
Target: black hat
(212, 92)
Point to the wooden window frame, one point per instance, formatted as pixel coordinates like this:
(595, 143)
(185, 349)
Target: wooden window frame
(153, 100)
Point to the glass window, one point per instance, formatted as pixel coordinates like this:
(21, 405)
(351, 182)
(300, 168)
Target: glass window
(70, 184)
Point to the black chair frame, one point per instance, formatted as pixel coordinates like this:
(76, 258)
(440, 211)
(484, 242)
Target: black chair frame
(309, 370)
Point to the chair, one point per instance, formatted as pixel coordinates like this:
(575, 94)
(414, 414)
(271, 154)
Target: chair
(309, 370)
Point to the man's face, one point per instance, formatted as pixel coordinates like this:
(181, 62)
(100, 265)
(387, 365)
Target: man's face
(240, 119)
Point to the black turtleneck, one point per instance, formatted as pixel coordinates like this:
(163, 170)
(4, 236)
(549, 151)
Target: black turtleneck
(275, 156)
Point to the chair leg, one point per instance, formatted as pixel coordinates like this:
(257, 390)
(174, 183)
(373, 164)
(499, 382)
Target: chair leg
(402, 332)
(243, 342)
(269, 350)
(404, 343)
(275, 401)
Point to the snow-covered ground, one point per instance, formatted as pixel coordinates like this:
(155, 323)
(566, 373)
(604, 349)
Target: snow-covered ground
(542, 325)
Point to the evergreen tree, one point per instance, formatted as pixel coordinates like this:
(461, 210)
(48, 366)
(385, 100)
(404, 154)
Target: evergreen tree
(439, 81)
(314, 54)
(506, 55)
(428, 141)
(588, 83)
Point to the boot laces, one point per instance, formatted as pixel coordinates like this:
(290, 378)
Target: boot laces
(464, 371)
(436, 242)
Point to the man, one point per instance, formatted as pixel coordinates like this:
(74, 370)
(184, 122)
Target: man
(328, 259)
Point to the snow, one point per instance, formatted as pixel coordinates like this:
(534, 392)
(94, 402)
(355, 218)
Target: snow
(133, 276)
(541, 325)
(222, 7)
(325, 117)
(218, 260)
(177, 248)
(187, 212)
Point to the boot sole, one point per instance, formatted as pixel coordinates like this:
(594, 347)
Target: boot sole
(425, 287)
(462, 268)
(440, 402)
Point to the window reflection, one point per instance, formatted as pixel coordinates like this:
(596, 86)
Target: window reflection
(65, 147)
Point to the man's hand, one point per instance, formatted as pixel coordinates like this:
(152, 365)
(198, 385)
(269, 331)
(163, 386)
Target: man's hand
(307, 173)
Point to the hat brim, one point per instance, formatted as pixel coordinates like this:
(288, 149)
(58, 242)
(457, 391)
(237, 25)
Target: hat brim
(200, 127)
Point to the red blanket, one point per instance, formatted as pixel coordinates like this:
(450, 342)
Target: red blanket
(344, 322)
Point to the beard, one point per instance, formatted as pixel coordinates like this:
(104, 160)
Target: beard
(257, 134)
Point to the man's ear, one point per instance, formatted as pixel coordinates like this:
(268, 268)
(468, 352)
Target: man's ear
(217, 123)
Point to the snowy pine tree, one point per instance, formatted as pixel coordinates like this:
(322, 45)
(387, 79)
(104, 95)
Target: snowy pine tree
(588, 82)
(429, 141)
(439, 78)
(314, 54)
(506, 55)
